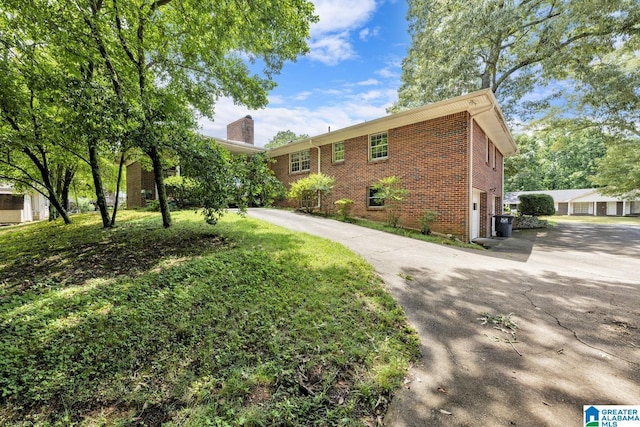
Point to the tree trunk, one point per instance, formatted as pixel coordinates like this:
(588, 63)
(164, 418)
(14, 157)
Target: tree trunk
(45, 173)
(115, 202)
(69, 173)
(97, 182)
(58, 207)
(162, 192)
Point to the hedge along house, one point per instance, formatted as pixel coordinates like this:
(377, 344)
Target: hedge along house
(449, 155)
(141, 184)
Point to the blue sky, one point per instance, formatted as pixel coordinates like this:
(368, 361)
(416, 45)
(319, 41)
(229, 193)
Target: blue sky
(351, 74)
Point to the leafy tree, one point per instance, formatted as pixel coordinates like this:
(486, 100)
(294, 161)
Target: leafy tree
(29, 120)
(308, 191)
(510, 47)
(619, 170)
(555, 159)
(391, 192)
(284, 137)
(157, 62)
(257, 183)
(608, 98)
(181, 190)
(214, 179)
(69, 110)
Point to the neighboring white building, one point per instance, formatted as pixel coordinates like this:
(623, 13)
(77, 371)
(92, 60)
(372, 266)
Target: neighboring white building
(16, 208)
(583, 202)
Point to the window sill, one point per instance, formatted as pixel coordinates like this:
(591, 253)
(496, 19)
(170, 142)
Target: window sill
(380, 160)
(300, 172)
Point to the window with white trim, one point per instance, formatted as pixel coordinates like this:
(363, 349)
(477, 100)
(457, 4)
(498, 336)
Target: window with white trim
(299, 161)
(378, 146)
(373, 201)
(582, 208)
(337, 151)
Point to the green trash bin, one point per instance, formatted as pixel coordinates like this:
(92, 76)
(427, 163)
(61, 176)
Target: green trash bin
(503, 224)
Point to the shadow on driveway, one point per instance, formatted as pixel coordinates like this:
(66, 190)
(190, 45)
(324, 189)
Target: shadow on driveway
(573, 290)
(577, 344)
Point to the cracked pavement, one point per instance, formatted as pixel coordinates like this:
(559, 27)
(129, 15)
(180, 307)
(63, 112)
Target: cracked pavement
(573, 290)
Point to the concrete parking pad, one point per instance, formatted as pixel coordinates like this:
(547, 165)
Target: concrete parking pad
(573, 291)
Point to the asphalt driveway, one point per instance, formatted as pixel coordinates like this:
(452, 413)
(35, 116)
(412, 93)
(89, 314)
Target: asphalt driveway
(574, 292)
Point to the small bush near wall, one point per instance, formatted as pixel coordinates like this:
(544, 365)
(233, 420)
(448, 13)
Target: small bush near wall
(309, 190)
(536, 205)
(426, 220)
(344, 208)
(392, 193)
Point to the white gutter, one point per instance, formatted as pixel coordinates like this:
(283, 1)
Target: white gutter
(319, 160)
(470, 189)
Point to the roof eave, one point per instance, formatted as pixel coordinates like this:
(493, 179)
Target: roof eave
(481, 104)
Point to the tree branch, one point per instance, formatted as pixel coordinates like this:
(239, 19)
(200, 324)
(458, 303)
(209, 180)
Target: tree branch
(24, 182)
(123, 41)
(19, 169)
(159, 3)
(113, 75)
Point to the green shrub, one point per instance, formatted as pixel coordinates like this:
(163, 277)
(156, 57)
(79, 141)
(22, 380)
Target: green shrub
(152, 206)
(536, 205)
(344, 208)
(83, 205)
(308, 191)
(391, 192)
(181, 190)
(428, 218)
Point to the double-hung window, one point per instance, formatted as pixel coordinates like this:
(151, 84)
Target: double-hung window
(378, 146)
(337, 152)
(373, 199)
(299, 161)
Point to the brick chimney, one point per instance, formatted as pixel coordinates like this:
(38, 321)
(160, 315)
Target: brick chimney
(241, 130)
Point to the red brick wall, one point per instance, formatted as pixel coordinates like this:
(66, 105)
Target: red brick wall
(137, 180)
(431, 159)
(487, 177)
(241, 130)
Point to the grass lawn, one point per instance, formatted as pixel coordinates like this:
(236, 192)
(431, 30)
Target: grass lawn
(241, 323)
(593, 219)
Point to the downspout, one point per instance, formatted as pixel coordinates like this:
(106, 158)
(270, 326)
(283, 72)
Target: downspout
(470, 190)
(470, 213)
(319, 160)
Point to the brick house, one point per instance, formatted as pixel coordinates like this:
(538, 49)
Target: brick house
(449, 155)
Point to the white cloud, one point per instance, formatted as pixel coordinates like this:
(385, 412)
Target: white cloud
(392, 70)
(340, 15)
(387, 73)
(330, 36)
(331, 49)
(354, 109)
(369, 82)
(367, 33)
(302, 95)
(275, 100)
